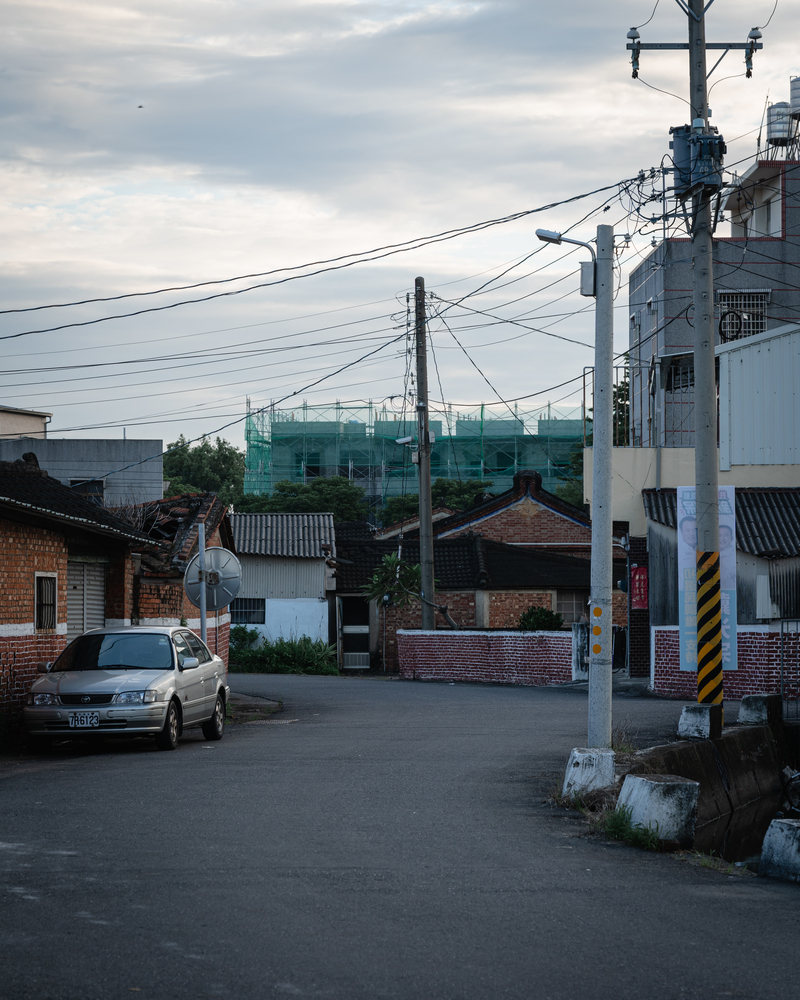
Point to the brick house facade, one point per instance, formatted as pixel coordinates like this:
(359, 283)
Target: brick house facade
(44, 528)
(483, 584)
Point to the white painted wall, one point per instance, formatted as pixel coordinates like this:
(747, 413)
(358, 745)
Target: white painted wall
(290, 619)
(634, 469)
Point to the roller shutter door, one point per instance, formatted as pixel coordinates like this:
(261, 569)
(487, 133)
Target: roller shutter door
(86, 597)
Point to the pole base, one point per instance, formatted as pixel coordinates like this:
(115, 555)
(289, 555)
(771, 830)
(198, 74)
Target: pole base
(700, 722)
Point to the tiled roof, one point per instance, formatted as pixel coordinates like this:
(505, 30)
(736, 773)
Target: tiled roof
(301, 536)
(24, 488)
(525, 484)
(174, 521)
(465, 563)
(767, 518)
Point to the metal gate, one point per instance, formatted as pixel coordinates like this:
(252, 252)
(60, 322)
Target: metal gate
(86, 597)
(790, 667)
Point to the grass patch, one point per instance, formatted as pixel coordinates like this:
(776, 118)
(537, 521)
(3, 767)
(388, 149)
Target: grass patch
(616, 824)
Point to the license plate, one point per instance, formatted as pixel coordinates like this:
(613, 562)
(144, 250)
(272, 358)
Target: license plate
(83, 720)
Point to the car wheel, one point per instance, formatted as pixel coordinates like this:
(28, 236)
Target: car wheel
(167, 739)
(214, 727)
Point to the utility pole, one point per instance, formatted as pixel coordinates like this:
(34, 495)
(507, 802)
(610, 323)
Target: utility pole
(601, 634)
(709, 612)
(424, 457)
(698, 151)
(599, 282)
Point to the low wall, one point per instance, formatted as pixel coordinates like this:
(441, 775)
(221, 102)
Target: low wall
(532, 658)
(759, 663)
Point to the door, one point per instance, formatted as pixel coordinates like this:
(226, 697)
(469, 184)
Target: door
(86, 597)
(190, 681)
(210, 668)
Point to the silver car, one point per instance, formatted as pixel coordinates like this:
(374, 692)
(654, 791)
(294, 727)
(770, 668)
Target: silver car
(132, 681)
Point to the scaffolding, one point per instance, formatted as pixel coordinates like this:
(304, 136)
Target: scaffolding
(360, 444)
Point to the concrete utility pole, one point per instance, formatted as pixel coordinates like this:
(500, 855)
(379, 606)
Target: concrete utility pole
(424, 456)
(600, 638)
(698, 151)
(601, 285)
(709, 612)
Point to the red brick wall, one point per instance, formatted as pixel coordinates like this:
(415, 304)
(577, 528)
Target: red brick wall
(639, 626)
(26, 551)
(530, 658)
(460, 604)
(530, 522)
(506, 607)
(759, 665)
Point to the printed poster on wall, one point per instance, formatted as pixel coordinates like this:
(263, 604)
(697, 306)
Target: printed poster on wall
(687, 575)
(639, 588)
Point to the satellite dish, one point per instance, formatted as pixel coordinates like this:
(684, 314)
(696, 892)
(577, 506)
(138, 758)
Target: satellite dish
(223, 578)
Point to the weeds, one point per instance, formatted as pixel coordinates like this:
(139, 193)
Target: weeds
(283, 656)
(616, 824)
(622, 738)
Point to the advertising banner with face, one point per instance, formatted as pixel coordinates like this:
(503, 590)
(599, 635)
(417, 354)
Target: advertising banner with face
(687, 576)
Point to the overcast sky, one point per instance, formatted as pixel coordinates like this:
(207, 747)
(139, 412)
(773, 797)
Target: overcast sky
(152, 144)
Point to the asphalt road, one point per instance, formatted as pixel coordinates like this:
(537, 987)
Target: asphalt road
(390, 843)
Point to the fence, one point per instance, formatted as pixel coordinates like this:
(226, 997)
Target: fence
(790, 667)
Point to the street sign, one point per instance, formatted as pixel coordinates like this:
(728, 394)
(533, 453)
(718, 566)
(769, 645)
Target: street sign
(223, 574)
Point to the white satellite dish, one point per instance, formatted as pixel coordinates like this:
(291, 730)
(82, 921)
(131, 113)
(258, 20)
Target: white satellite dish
(223, 578)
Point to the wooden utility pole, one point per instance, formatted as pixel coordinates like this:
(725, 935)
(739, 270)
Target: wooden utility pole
(424, 457)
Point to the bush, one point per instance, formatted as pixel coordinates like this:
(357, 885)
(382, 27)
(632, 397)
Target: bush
(283, 656)
(537, 619)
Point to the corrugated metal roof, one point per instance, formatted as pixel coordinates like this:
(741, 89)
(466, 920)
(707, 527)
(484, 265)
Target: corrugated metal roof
(301, 536)
(767, 518)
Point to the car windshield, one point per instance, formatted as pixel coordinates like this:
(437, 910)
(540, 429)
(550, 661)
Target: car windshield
(143, 651)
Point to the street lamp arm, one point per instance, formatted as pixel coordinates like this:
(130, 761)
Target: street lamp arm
(547, 236)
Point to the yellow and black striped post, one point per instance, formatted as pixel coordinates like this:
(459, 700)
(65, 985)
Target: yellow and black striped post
(709, 630)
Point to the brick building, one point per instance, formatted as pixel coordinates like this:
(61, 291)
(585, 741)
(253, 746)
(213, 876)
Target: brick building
(66, 564)
(482, 582)
(529, 517)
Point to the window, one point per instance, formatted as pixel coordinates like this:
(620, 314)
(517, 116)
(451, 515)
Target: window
(680, 375)
(248, 611)
(89, 489)
(45, 611)
(572, 605)
(742, 313)
(197, 647)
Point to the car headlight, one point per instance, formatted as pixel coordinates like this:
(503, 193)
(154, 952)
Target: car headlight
(129, 698)
(43, 699)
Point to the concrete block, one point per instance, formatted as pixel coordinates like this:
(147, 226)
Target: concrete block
(700, 722)
(667, 803)
(587, 770)
(780, 853)
(760, 710)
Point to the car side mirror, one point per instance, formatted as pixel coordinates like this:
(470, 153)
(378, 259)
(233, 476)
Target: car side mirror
(43, 667)
(190, 662)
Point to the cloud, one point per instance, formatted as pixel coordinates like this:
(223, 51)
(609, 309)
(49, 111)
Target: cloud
(272, 134)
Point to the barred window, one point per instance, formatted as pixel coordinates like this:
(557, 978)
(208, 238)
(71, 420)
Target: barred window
(742, 313)
(45, 613)
(572, 605)
(90, 489)
(248, 611)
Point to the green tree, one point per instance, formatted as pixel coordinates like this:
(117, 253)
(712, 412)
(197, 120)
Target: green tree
(451, 493)
(337, 495)
(399, 579)
(206, 467)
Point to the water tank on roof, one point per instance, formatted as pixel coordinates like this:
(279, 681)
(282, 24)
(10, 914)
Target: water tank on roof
(779, 124)
(794, 96)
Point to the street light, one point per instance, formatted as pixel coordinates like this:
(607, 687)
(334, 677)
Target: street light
(600, 632)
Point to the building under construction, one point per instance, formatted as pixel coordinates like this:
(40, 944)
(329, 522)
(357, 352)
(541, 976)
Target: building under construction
(361, 444)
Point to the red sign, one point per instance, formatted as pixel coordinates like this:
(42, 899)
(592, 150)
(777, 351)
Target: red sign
(639, 588)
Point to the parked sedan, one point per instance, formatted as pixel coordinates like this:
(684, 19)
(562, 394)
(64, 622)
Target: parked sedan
(136, 680)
